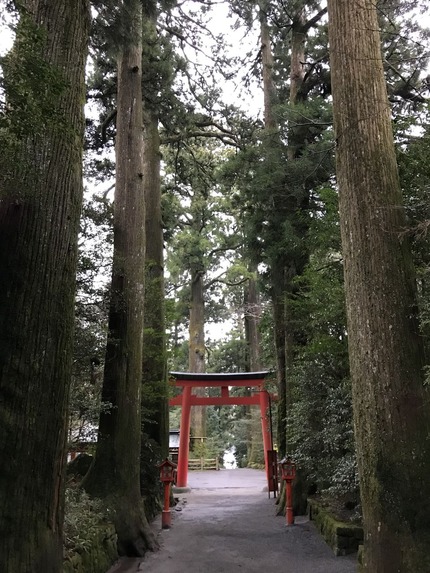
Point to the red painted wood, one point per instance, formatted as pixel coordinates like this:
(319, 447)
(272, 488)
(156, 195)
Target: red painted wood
(218, 401)
(289, 502)
(184, 438)
(228, 378)
(267, 439)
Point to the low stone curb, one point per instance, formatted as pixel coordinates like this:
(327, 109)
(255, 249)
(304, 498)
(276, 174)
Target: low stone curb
(343, 538)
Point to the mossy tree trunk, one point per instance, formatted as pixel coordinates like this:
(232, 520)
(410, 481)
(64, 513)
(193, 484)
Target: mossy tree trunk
(391, 407)
(115, 474)
(155, 388)
(40, 202)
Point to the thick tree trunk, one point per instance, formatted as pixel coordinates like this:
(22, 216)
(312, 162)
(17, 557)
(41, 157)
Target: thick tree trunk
(155, 389)
(279, 320)
(41, 194)
(274, 154)
(288, 206)
(298, 57)
(252, 332)
(252, 322)
(269, 89)
(115, 474)
(196, 362)
(391, 408)
(297, 75)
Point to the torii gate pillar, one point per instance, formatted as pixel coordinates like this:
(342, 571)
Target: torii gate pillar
(265, 428)
(184, 438)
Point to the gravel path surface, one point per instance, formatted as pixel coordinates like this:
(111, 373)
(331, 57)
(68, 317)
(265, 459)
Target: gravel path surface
(227, 524)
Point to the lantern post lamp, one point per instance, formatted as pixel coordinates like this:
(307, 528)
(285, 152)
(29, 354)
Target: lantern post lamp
(288, 474)
(167, 476)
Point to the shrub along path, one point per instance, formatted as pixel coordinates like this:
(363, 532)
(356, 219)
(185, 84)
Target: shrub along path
(228, 524)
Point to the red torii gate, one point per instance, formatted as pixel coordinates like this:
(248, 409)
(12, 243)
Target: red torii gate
(190, 380)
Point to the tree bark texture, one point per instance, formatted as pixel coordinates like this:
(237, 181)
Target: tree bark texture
(115, 474)
(297, 75)
(40, 202)
(252, 333)
(252, 322)
(155, 388)
(197, 347)
(269, 89)
(298, 57)
(391, 408)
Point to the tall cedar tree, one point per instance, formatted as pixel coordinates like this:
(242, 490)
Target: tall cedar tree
(391, 406)
(115, 474)
(201, 238)
(289, 207)
(41, 195)
(155, 389)
(273, 153)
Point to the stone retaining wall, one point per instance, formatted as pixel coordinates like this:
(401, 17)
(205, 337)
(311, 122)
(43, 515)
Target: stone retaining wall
(343, 538)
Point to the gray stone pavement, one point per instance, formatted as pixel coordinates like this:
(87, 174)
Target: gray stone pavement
(227, 524)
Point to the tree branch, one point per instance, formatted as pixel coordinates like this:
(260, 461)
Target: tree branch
(190, 134)
(313, 21)
(106, 123)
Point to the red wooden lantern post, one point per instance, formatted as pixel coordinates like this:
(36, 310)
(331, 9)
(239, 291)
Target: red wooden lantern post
(167, 476)
(288, 473)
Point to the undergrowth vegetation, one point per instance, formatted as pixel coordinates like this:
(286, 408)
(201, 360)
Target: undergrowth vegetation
(83, 518)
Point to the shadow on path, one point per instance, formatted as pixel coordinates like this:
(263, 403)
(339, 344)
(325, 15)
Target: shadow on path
(227, 524)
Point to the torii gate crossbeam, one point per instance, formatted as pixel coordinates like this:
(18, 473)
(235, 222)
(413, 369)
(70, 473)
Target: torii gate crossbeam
(190, 380)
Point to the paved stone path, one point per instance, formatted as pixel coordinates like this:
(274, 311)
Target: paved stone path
(227, 524)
